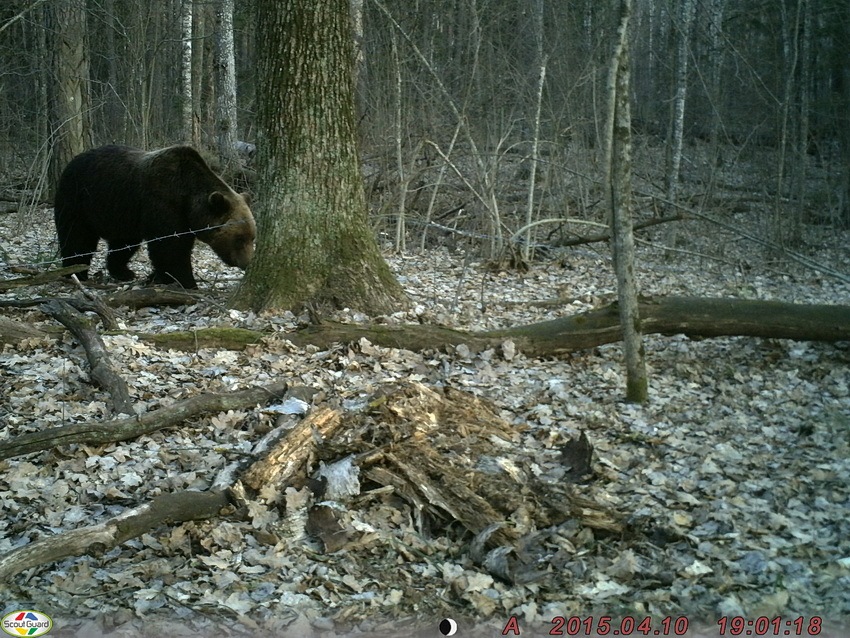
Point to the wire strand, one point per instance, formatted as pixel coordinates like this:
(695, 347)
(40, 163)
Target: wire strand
(11, 267)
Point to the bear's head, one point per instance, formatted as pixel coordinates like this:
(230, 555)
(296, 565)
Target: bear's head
(232, 229)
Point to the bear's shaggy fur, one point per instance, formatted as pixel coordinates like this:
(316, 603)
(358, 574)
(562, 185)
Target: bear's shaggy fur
(167, 198)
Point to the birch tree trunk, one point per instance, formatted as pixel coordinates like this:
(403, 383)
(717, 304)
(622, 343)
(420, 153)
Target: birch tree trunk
(619, 197)
(225, 74)
(540, 63)
(401, 221)
(186, 110)
(314, 243)
(677, 123)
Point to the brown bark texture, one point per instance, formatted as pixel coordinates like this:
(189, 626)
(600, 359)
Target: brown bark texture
(315, 245)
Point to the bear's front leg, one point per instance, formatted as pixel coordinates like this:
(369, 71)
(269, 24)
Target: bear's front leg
(171, 258)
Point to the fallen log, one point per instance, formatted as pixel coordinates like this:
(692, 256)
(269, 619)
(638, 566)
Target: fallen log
(40, 278)
(132, 427)
(171, 508)
(691, 316)
(13, 332)
(606, 236)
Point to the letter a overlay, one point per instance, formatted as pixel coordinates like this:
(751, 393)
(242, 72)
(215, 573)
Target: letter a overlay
(511, 626)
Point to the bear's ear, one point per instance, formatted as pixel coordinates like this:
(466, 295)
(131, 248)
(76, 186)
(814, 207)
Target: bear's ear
(247, 198)
(219, 204)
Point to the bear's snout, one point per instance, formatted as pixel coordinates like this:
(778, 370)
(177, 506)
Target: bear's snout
(242, 257)
(233, 250)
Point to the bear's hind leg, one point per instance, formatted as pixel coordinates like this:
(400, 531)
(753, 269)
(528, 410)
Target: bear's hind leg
(172, 261)
(118, 257)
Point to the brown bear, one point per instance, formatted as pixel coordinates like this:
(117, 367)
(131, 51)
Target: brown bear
(167, 198)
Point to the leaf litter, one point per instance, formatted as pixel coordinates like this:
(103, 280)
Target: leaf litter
(731, 487)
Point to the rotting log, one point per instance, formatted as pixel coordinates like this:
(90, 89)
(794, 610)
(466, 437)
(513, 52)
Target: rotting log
(288, 457)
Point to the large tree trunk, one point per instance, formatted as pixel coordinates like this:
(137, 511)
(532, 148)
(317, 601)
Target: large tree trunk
(314, 243)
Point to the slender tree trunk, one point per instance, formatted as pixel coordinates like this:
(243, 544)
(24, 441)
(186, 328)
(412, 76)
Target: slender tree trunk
(841, 84)
(359, 56)
(618, 160)
(43, 78)
(314, 243)
(800, 173)
(540, 64)
(677, 122)
(199, 27)
(715, 63)
(186, 106)
(71, 130)
(400, 227)
(115, 127)
(225, 75)
(779, 231)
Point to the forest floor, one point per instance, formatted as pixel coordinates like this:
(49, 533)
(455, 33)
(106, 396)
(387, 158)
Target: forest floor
(733, 481)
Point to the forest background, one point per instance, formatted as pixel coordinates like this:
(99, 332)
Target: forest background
(480, 121)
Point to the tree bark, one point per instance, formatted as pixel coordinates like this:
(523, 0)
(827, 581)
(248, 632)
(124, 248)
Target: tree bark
(677, 120)
(186, 106)
(619, 201)
(225, 75)
(71, 134)
(314, 243)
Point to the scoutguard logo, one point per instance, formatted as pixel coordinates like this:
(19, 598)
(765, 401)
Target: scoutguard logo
(26, 622)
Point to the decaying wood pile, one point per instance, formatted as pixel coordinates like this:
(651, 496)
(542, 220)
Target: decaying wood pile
(447, 454)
